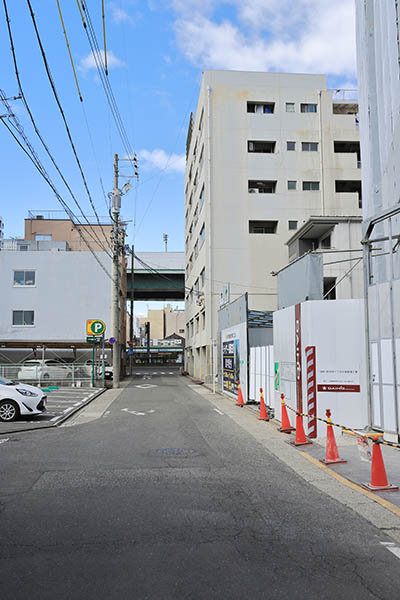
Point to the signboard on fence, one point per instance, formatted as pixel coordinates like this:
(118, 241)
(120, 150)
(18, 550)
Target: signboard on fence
(234, 360)
(346, 379)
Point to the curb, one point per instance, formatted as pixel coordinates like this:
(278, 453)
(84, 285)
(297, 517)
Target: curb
(49, 425)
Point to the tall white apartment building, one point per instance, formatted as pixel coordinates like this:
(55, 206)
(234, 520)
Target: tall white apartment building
(378, 56)
(1, 232)
(265, 151)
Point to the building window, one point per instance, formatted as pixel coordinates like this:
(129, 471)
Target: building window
(261, 107)
(263, 226)
(329, 288)
(196, 249)
(195, 178)
(201, 157)
(23, 317)
(191, 328)
(23, 248)
(190, 173)
(203, 320)
(201, 120)
(292, 225)
(291, 185)
(202, 277)
(290, 107)
(201, 196)
(325, 242)
(308, 108)
(197, 324)
(264, 147)
(202, 236)
(310, 186)
(309, 146)
(191, 199)
(24, 278)
(262, 187)
(290, 146)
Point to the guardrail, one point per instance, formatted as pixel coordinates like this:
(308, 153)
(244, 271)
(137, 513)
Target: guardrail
(64, 374)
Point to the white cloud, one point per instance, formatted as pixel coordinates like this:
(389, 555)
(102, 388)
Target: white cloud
(119, 15)
(314, 36)
(88, 63)
(159, 159)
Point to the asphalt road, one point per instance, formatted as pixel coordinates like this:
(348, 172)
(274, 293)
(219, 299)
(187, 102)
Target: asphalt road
(164, 497)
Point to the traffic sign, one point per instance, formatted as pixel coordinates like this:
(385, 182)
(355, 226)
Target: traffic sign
(95, 339)
(95, 327)
(112, 340)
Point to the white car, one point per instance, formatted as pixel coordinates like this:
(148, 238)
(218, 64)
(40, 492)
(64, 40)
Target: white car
(18, 399)
(44, 369)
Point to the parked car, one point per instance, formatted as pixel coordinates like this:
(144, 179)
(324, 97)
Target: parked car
(44, 369)
(18, 399)
(108, 370)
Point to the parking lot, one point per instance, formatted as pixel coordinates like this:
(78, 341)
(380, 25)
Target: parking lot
(60, 404)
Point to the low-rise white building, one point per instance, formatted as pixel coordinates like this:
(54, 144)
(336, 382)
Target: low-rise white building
(47, 296)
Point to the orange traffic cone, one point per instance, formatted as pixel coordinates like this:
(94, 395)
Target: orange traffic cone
(332, 454)
(301, 439)
(263, 411)
(285, 426)
(240, 397)
(379, 481)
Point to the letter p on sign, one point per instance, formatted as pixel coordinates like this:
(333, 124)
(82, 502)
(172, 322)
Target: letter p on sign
(95, 327)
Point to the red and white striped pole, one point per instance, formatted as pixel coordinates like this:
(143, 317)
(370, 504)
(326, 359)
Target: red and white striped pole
(311, 391)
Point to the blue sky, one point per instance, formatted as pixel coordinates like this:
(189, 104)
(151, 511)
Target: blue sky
(157, 51)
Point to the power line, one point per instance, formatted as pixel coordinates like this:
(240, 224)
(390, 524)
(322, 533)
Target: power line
(32, 155)
(97, 56)
(54, 90)
(36, 129)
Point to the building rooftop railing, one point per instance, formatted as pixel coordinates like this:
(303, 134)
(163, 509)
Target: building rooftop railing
(62, 215)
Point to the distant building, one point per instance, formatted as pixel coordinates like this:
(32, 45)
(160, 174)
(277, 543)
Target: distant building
(1, 231)
(57, 226)
(164, 322)
(265, 152)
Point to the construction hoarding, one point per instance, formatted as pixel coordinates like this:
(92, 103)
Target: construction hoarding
(320, 346)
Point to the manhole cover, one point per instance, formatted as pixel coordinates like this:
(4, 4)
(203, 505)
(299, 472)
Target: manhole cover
(174, 451)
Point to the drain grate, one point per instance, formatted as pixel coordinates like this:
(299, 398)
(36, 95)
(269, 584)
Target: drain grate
(174, 451)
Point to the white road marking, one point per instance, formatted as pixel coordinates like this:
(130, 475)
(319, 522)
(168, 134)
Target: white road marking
(162, 372)
(146, 386)
(170, 373)
(55, 418)
(151, 411)
(133, 412)
(4, 441)
(68, 409)
(392, 548)
(106, 413)
(218, 411)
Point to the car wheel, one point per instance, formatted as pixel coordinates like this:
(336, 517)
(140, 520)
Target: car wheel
(46, 376)
(9, 410)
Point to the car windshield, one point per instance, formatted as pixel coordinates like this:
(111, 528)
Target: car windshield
(4, 381)
(32, 363)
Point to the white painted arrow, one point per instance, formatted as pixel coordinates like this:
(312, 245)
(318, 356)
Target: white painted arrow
(145, 386)
(133, 412)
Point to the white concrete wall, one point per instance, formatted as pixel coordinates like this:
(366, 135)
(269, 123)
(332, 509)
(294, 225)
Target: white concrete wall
(70, 288)
(230, 253)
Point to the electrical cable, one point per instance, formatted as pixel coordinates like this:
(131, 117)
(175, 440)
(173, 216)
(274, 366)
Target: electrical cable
(57, 99)
(36, 129)
(39, 166)
(97, 56)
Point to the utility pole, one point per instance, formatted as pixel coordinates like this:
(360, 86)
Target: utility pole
(165, 238)
(132, 293)
(115, 277)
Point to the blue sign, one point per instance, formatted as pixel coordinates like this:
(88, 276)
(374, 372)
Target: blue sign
(130, 351)
(112, 340)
